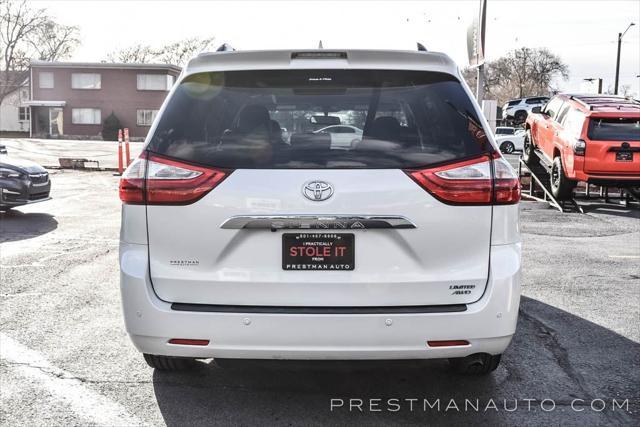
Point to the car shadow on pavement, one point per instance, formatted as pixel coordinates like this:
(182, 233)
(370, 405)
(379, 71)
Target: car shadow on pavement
(16, 225)
(611, 209)
(554, 355)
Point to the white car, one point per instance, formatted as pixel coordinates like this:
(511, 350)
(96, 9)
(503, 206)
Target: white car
(235, 245)
(343, 136)
(509, 139)
(518, 109)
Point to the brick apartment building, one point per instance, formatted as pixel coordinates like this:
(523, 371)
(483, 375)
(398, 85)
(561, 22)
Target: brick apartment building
(72, 99)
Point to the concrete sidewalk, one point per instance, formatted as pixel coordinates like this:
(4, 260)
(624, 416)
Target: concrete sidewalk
(47, 151)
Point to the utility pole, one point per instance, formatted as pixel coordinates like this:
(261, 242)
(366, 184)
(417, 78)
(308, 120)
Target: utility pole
(483, 35)
(615, 87)
(480, 85)
(620, 35)
(476, 33)
(593, 79)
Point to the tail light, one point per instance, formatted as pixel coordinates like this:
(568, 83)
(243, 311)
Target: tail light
(479, 181)
(155, 180)
(506, 185)
(132, 181)
(579, 147)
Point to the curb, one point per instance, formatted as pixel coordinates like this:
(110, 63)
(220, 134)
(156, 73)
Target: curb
(81, 169)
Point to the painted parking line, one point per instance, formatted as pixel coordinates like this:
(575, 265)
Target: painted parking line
(83, 401)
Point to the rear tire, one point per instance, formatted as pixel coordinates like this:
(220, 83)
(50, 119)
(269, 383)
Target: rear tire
(476, 364)
(507, 147)
(169, 364)
(529, 150)
(561, 186)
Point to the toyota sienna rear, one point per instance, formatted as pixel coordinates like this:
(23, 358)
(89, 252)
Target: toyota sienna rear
(240, 243)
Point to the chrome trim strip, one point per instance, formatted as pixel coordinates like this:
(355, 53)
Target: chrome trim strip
(209, 308)
(316, 222)
(38, 200)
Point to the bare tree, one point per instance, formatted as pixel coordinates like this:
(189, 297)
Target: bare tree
(625, 90)
(546, 66)
(176, 53)
(138, 53)
(180, 52)
(522, 72)
(27, 33)
(52, 41)
(17, 23)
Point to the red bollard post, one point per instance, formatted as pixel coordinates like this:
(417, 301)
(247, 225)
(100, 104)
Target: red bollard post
(120, 168)
(126, 146)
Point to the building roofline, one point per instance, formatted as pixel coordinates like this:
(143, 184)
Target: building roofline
(104, 65)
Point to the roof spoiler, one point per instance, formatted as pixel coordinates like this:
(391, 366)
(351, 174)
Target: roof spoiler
(226, 47)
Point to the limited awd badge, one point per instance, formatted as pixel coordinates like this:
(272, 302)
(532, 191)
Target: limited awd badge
(317, 190)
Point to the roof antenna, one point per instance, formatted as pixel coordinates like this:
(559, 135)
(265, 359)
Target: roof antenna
(320, 45)
(421, 47)
(225, 47)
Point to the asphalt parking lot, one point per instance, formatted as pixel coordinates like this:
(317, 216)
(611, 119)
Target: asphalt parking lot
(46, 152)
(66, 359)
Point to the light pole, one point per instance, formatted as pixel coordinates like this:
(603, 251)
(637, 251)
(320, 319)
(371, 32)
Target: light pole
(593, 79)
(620, 35)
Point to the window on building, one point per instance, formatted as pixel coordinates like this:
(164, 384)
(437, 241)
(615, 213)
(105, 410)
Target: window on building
(45, 80)
(85, 116)
(146, 117)
(85, 81)
(154, 81)
(23, 114)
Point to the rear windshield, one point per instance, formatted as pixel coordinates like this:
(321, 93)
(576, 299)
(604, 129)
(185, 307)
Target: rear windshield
(614, 129)
(319, 119)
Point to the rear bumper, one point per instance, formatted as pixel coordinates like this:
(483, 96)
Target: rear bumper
(487, 324)
(621, 182)
(609, 180)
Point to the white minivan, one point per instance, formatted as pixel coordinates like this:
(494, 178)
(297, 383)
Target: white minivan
(236, 244)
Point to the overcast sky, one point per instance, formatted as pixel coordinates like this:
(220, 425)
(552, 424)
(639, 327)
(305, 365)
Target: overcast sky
(583, 33)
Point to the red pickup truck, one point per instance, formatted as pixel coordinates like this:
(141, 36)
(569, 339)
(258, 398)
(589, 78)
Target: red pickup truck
(590, 138)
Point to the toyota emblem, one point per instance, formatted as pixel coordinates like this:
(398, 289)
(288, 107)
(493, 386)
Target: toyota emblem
(317, 190)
